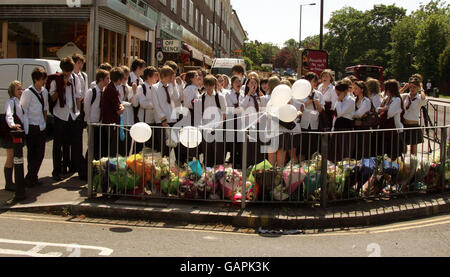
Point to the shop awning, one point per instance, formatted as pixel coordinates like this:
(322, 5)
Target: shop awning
(195, 53)
(208, 60)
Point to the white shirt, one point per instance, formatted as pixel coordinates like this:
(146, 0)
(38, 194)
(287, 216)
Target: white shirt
(92, 112)
(124, 97)
(134, 79)
(81, 77)
(395, 111)
(145, 103)
(329, 95)
(32, 108)
(66, 111)
(160, 102)
(212, 115)
(364, 108)
(376, 100)
(413, 113)
(10, 104)
(310, 115)
(190, 93)
(179, 89)
(233, 99)
(346, 108)
(93, 84)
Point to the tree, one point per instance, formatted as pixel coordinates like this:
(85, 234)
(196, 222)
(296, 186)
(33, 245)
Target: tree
(311, 42)
(403, 37)
(251, 50)
(291, 44)
(431, 41)
(444, 63)
(268, 52)
(249, 63)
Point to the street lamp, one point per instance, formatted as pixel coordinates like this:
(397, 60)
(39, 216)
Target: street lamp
(300, 37)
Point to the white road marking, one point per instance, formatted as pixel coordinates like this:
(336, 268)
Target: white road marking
(38, 246)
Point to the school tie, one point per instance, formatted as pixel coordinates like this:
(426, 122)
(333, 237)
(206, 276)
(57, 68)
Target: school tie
(237, 97)
(167, 94)
(73, 98)
(124, 93)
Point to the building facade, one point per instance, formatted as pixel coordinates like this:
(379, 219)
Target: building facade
(191, 32)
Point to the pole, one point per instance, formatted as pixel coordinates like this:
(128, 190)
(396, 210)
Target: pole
(321, 24)
(300, 33)
(18, 165)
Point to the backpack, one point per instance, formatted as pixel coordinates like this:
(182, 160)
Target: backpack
(217, 102)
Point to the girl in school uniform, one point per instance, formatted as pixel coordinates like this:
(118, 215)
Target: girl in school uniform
(253, 105)
(312, 107)
(191, 92)
(126, 97)
(413, 102)
(15, 120)
(362, 108)
(234, 111)
(329, 95)
(345, 108)
(374, 92)
(391, 142)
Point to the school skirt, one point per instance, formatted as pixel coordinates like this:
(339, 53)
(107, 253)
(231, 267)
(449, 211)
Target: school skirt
(413, 137)
(340, 146)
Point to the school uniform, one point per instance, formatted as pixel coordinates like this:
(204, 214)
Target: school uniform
(164, 104)
(82, 80)
(35, 106)
(253, 107)
(392, 142)
(14, 115)
(191, 94)
(413, 106)
(92, 111)
(213, 108)
(179, 88)
(134, 79)
(341, 144)
(234, 139)
(308, 144)
(329, 99)
(110, 106)
(376, 100)
(361, 148)
(143, 100)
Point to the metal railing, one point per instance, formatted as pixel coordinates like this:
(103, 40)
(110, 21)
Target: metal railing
(333, 166)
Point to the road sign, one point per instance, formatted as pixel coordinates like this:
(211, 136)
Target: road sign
(171, 46)
(160, 56)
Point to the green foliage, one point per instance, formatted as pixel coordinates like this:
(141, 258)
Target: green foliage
(249, 63)
(444, 63)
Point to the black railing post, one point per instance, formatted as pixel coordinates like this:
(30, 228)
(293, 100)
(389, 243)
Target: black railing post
(90, 158)
(324, 170)
(443, 156)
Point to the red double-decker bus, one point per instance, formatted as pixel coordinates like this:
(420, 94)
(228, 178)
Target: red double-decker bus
(363, 72)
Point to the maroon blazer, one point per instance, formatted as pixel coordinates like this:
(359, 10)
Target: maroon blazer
(110, 105)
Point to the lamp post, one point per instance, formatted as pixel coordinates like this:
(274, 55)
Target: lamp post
(300, 36)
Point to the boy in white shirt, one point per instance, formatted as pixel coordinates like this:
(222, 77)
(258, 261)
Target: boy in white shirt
(34, 102)
(92, 107)
(164, 104)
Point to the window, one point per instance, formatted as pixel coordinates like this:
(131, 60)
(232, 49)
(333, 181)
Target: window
(191, 13)
(173, 6)
(10, 72)
(184, 10)
(207, 30)
(196, 20)
(201, 26)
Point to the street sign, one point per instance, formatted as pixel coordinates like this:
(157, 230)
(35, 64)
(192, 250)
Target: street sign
(171, 46)
(160, 56)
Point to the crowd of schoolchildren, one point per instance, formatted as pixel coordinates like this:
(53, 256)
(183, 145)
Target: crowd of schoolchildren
(163, 98)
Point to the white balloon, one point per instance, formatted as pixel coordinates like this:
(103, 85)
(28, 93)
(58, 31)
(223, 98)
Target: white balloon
(141, 132)
(281, 95)
(288, 113)
(301, 89)
(190, 137)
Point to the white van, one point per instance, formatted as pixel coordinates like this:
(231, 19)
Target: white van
(20, 69)
(224, 65)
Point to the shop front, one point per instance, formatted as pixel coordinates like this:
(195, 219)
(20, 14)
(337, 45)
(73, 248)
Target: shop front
(200, 53)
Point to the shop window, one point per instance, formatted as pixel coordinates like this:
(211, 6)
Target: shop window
(60, 33)
(24, 39)
(112, 48)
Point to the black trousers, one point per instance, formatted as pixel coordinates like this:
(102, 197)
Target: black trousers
(64, 129)
(36, 150)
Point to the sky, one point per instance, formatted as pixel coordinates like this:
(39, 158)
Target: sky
(277, 21)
